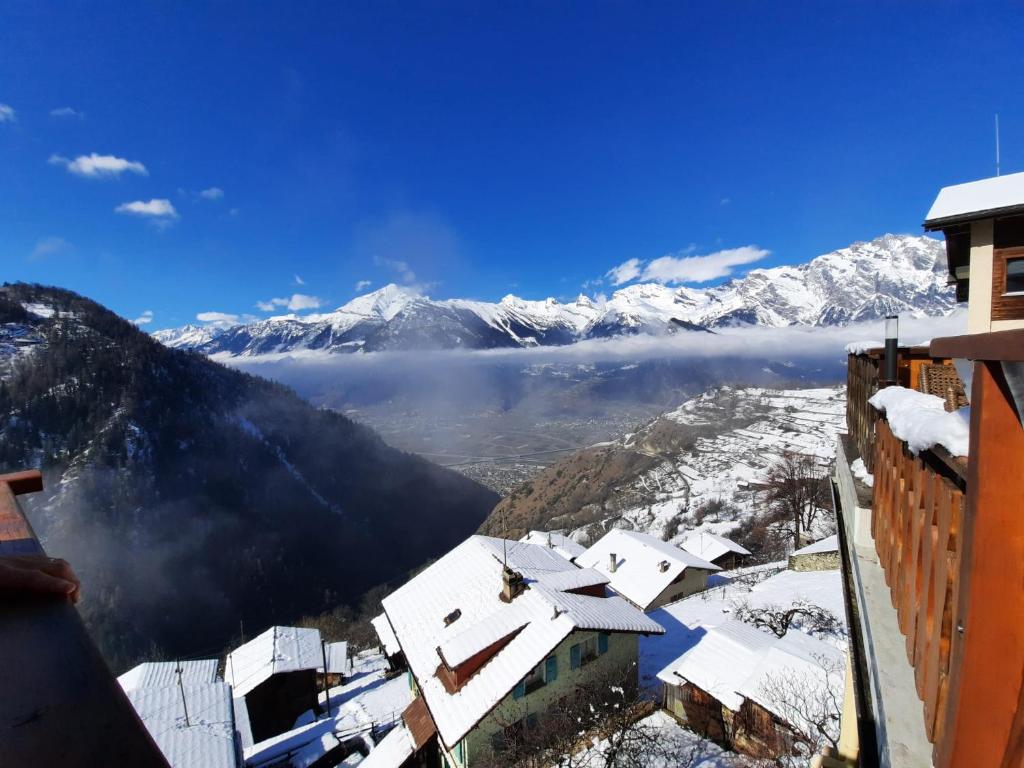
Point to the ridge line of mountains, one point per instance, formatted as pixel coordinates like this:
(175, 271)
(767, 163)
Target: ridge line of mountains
(892, 274)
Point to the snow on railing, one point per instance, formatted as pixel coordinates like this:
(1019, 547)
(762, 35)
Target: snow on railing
(921, 421)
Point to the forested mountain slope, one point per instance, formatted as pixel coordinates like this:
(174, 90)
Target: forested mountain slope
(191, 497)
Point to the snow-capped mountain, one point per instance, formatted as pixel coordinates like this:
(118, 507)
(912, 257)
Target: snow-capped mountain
(892, 274)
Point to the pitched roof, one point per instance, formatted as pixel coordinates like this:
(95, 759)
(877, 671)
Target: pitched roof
(640, 575)
(156, 674)
(279, 649)
(556, 540)
(734, 661)
(469, 580)
(711, 546)
(391, 751)
(338, 662)
(208, 741)
(385, 634)
(830, 544)
(976, 199)
(720, 661)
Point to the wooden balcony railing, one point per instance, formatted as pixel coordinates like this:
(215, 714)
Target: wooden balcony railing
(864, 378)
(59, 703)
(949, 535)
(917, 516)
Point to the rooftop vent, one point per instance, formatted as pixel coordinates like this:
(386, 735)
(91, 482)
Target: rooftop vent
(612, 563)
(663, 566)
(512, 584)
(452, 617)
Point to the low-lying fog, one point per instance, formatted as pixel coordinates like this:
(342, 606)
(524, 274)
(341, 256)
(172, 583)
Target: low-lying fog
(499, 414)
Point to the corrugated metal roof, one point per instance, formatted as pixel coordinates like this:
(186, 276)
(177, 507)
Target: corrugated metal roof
(469, 578)
(157, 674)
(208, 741)
(711, 546)
(639, 575)
(417, 719)
(279, 649)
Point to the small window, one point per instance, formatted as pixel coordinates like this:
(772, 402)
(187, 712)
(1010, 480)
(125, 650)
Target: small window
(534, 680)
(531, 721)
(1015, 276)
(602, 644)
(550, 669)
(460, 754)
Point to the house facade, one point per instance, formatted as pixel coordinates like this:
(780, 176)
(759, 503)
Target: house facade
(497, 633)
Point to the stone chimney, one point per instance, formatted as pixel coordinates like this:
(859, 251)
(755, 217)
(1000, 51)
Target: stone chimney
(612, 563)
(512, 584)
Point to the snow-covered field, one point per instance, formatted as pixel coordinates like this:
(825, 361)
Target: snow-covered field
(732, 465)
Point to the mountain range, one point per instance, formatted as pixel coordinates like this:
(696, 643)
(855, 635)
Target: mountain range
(892, 274)
(197, 502)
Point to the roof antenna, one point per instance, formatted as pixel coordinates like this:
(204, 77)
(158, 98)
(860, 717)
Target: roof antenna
(997, 143)
(181, 688)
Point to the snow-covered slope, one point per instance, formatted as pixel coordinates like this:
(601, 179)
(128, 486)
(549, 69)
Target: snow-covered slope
(892, 274)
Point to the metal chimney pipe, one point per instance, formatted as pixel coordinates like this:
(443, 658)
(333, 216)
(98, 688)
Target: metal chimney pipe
(892, 328)
(612, 565)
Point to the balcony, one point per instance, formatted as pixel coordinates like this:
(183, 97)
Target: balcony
(933, 555)
(59, 703)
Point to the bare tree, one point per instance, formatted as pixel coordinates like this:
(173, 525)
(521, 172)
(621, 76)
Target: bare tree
(811, 701)
(798, 489)
(807, 616)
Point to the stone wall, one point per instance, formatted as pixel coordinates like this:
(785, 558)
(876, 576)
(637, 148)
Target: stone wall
(818, 561)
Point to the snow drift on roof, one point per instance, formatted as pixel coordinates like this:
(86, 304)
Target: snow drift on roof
(556, 540)
(385, 634)
(469, 579)
(156, 674)
(639, 575)
(922, 421)
(830, 544)
(279, 649)
(710, 546)
(977, 197)
(209, 739)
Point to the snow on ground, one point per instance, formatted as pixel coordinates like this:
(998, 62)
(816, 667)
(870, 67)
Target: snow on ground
(761, 586)
(678, 748)
(732, 465)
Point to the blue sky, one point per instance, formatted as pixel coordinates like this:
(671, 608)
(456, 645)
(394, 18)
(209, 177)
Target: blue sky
(476, 148)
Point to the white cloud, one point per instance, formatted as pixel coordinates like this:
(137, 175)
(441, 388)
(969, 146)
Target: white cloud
(400, 268)
(362, 285)
(725, 201)
(7, 114)
(67, 112)
(96, 166)
(298, 280)
(218, 319)
(50, 246)
(626, 271)
(296, 303)
(158, 208)
(700, 269)
(145, 318)
(212, 193)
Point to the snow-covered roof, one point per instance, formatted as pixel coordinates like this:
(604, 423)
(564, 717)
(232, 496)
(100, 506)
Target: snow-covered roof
(556, 540)
(720, 661)
(830, 544)
(640, 575)
(385, 634)
(156, 674)
(922, 421)
(466, 583)
(710, 546)
(393, 750)
(337, 658)
(733, 661)
(279, 649)
(208, 741)
(976, 199)
(793, 670)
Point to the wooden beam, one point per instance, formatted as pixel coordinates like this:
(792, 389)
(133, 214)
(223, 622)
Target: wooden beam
(999, 345)
(987, 665)
(29, 481)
